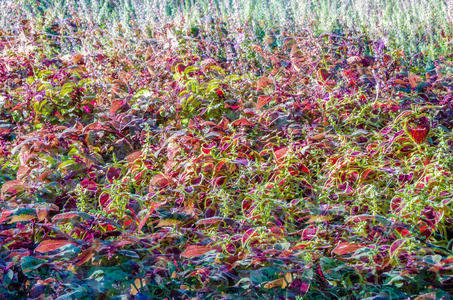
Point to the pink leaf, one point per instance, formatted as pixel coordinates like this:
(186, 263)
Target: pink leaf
(346, 247)
(51, 245)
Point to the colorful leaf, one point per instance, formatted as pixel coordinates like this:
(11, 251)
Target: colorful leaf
(263, 100)
(316, 219)
(51, 245)
(346, 247)
(168, 222)
(281, 282)
(194, 251)
(242, 122)
(396, 246)
(22, 218)
(12, 187)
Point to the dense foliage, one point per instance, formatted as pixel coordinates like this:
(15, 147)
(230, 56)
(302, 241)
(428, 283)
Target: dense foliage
(198, 163)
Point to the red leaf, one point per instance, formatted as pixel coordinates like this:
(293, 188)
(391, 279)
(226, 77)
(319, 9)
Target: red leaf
(365, 174)
(51, 245)
(293, 172)
(219, 181)
(23, 170)
(223, 124)
(160, 180)
(206, 149)
(194, 250)
(12, 187)
(346, 247)
(134, 156)
(323, 74)
(360, 218)
(419, 133)
(191, 124)
(263, 100)
(42, 213)
(172, 150)
(137, 177)
(113, 173)
(263, 82)
(242, 122)
(181, 68)
(207, 123)
(281, 152)
(282, 182)
(87, 254)
(5, 214)
(220, 93)
(219, 166)
(303, 168)
(169, 165)
(117, 104)
(401, 82)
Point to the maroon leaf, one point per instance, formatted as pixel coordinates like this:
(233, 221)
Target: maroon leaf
(210, 221)
(68, 215)
(89, 184)
(395, 246)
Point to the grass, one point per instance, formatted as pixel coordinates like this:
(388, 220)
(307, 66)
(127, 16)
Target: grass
(415, 26)
(226, 150)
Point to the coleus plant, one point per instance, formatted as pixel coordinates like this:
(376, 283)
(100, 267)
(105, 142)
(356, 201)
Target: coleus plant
(416, 122)
(166, 174)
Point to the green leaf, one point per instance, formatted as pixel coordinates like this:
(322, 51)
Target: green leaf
(142, 93)
(66, 164)
(67, 88)
(30, 80)
(190, 69)
(30, 264)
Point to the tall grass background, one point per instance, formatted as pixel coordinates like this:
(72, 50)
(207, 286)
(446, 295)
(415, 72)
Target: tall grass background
(413, 25)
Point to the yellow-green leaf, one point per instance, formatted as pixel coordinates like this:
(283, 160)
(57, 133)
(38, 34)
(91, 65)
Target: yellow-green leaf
(22, 218)
(281, 282)
(168, 222)
(315, 219)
